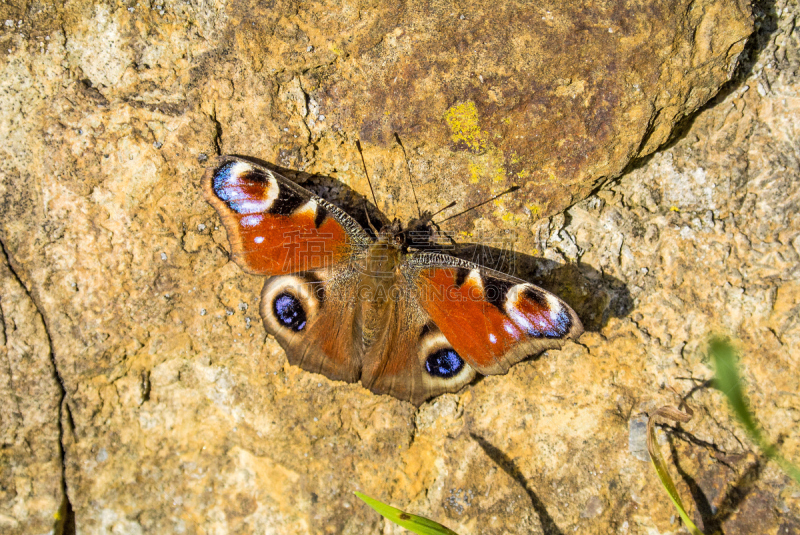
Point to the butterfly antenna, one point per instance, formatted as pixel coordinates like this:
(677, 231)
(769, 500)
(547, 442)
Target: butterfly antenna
(509, 190)
(364, 164)
(369, 221)
(437, 212)
(408, 169)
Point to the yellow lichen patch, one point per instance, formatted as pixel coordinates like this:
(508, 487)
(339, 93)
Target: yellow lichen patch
(464, 125)
(488, 165)
(497, 171)
(462, 119)
(514, 218)
(507, 216)
(537, 209)
(474, 173)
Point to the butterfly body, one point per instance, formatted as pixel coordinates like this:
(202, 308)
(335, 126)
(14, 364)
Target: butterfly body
(376, 308)
(355, 308)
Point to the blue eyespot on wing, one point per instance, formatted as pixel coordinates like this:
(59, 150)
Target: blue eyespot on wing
(444, 363)
(289, 312)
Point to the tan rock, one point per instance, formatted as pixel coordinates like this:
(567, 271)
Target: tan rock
(32, 498)
(181, 416)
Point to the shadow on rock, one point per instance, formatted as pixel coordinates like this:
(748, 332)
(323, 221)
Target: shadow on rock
(713, 509)
(502, 460)
(594, 296)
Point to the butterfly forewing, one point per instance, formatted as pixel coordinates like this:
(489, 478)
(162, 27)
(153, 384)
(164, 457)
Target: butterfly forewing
(275, 226)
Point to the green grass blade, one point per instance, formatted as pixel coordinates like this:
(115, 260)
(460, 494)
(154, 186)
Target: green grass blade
(416, 524)
(661, 466)
(728, 382)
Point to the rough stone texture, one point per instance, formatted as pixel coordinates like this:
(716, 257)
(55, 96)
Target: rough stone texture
(557, 96)
(706, 237)
(31, 482)
(179, 414)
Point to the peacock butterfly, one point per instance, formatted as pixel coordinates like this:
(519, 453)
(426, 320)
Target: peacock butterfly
(411, 324)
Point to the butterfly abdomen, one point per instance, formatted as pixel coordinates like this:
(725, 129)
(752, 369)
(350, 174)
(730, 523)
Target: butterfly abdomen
(378, 291)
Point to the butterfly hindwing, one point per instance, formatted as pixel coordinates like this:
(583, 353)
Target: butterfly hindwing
(275, 226)
(414, 361)
(493, 320)
(311, 315)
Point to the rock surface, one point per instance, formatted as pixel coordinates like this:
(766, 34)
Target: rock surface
(31, 462)
(179, 415)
